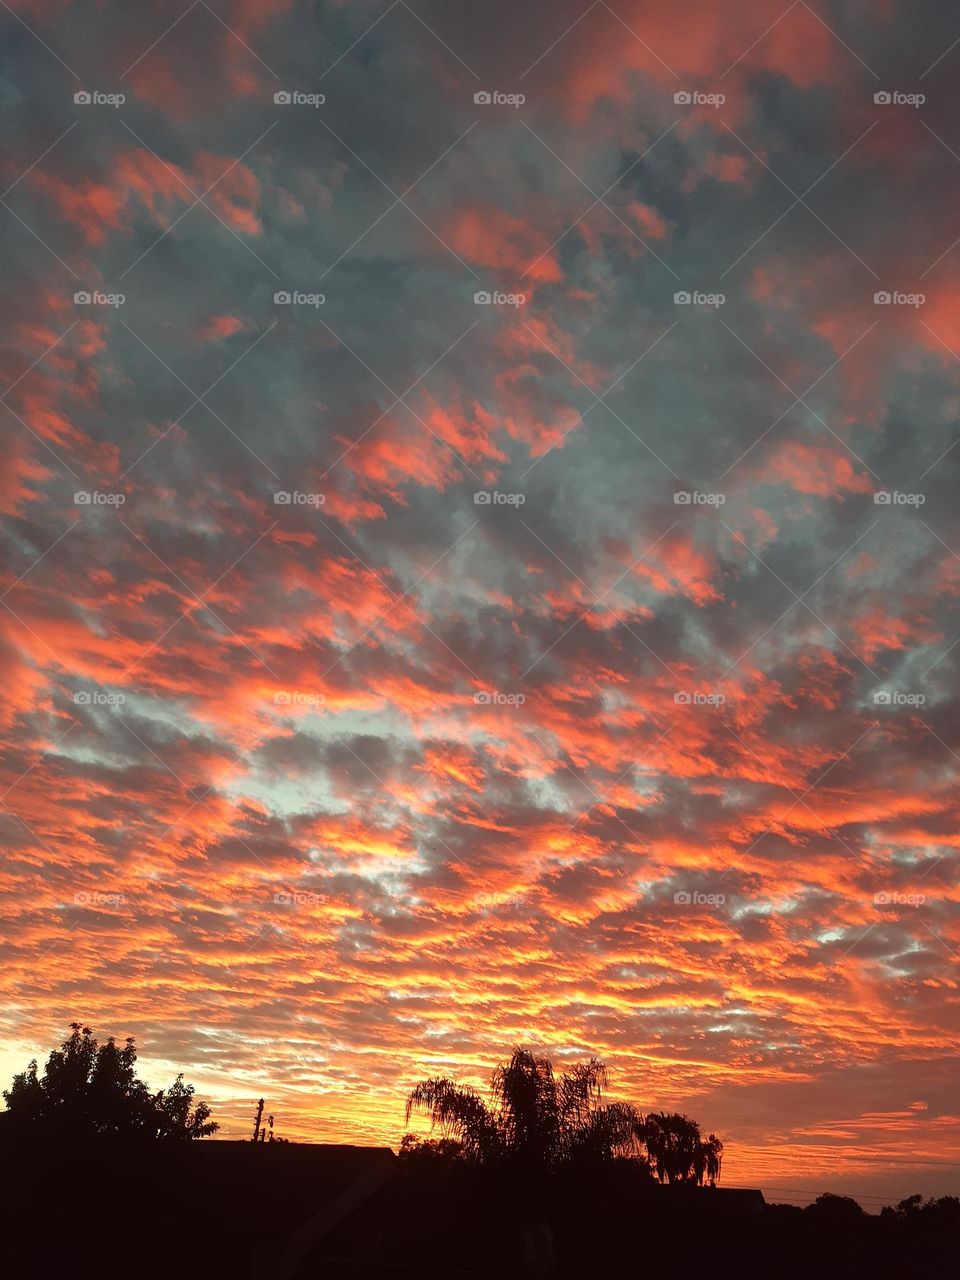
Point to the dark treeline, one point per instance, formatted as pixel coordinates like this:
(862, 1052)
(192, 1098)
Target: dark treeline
(543, 1177)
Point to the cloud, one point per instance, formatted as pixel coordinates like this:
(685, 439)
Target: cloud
(312, 749)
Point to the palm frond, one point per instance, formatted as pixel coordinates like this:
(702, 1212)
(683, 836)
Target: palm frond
(581, 1089)
(459, 1112)
(541, 1121)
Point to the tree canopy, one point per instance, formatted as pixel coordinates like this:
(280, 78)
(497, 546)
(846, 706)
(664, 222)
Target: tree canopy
(89, 1089)
(538, 1119)
(678, 1153)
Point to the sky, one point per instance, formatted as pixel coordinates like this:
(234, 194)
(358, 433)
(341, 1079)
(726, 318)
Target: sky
(481, 558)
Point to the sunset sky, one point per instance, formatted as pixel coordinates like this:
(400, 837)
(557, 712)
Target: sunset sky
(321, 775)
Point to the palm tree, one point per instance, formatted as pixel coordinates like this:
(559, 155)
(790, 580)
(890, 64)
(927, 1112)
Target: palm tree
(713, 1152)
(460, 1114)
(674, 1145)
(536, 1119)
(613, 1130)
(678, 1153)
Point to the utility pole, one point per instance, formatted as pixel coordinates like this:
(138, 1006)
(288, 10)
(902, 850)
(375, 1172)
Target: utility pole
(256, 1127)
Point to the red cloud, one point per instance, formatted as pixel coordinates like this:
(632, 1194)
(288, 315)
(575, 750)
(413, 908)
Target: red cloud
(492, 237)
(821, 470)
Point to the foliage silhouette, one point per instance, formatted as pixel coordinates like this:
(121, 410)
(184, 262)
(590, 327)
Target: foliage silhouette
(429, 1155)
(539, 1120)
(836, 1209)
(678, 1153)
(92, 1090)
(942, 1211)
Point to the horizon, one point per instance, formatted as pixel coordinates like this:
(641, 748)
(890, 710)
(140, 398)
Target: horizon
(482, 563)
(871, 1189)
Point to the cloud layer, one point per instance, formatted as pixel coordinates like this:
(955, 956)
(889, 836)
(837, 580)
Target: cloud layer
(393, 675)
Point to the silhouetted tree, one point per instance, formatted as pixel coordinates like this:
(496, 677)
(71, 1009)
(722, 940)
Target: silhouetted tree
(25, 1097)
(942, 1211)
(677, 1152)
(708, 1160)
(675, 1148)
(91, 1090)
(535, 1119)
(177, 1117)
(835, 1209)
(459, 1112)
(430, 1154)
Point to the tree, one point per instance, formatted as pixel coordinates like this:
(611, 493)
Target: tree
(115, 1099)
(944, 1211)
(712, 1159)
(461, 1114)
(92, 1090)
(536, 1119)
(177, 1117)
(673, 1144)
(430, 1155)
(707, 1159)
(678, 1153)
(835, 1209)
